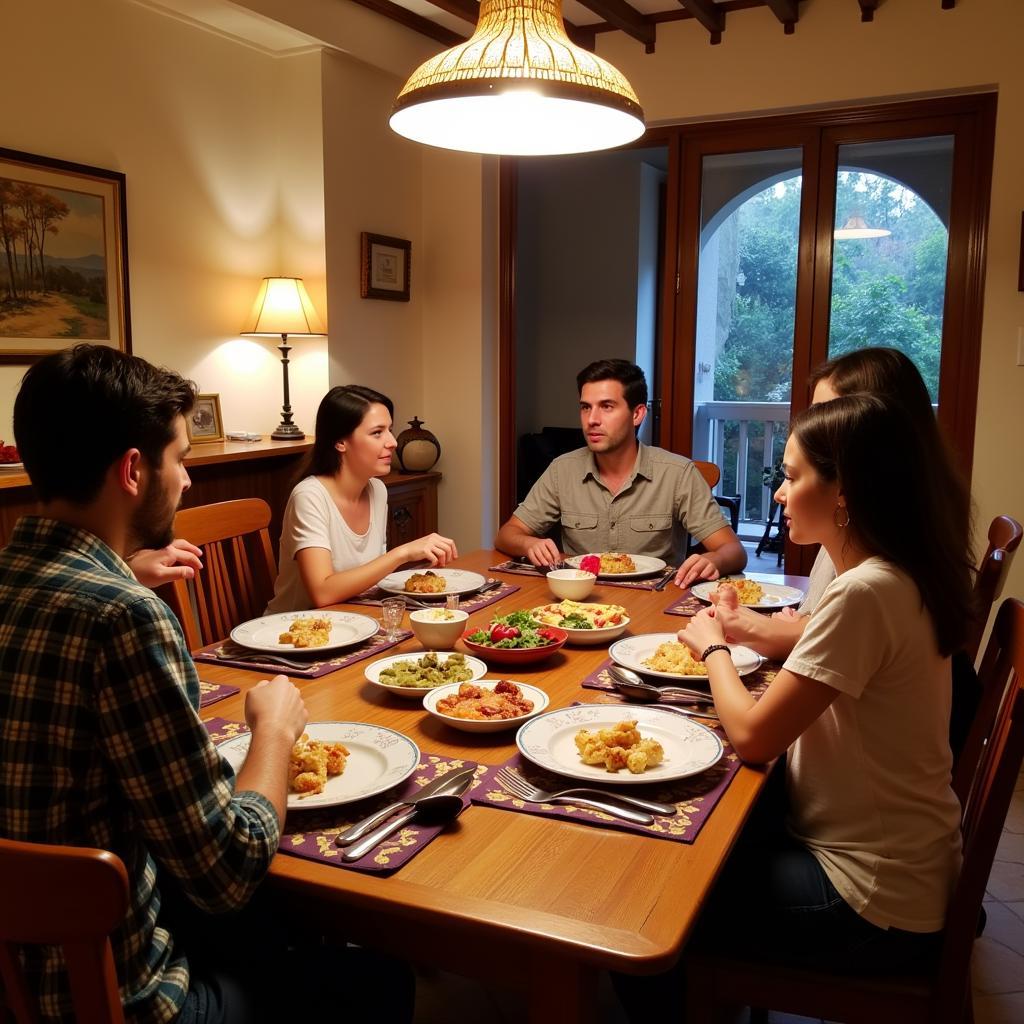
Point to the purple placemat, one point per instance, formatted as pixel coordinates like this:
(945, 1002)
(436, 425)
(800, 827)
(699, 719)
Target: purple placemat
(519, 569)
(317, 667)
(600, 679)
(311, 834)
(471, 603)
(210, 693)
(685, 604)
(695, 798)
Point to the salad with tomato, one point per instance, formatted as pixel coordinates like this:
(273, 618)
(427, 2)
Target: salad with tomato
(516, 631)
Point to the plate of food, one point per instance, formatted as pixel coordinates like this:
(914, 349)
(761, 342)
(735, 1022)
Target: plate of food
(514, 639)
(10, 460)
(338, 762)
(410, 675)
(304, 632)
(432, 582)
(752, 593)
(617, 565)
(619, 746)
(588, 624)
(487, 705)
(663, 656)
(13, 467)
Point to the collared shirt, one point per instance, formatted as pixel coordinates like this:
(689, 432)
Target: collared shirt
(101, 745)
(664, 498)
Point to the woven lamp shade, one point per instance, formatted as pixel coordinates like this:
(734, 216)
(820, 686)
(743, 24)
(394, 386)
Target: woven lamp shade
(518, 86)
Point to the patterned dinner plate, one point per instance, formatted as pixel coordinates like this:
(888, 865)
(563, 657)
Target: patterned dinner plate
(775, 594)
(378, 759)
(456, 581)
(633, 651)
(549, 741)
(264, 634)
(646, 565)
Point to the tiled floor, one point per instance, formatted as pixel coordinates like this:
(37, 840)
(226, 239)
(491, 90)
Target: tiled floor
(998, 969)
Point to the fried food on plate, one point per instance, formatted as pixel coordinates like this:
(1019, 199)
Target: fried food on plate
(748, 591)
(425, 583)
(307, 633)
(312, 762)
(676, 659)
(478, 703)
(616, 562)
(619, 747)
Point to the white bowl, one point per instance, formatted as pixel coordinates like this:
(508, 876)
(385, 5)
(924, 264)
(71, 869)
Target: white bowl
(571, 584)
(589, 637)
(438, 628)
(538, 696)
(374, 669)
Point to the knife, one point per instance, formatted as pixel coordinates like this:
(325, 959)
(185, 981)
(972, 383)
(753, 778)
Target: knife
(455, 785)
(664, 581)
(441, 784)
(489, 586)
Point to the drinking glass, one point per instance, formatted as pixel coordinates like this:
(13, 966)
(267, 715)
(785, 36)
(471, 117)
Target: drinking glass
(392, 610)
(451, 602)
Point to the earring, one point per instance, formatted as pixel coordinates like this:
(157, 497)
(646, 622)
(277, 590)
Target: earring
(835, 516)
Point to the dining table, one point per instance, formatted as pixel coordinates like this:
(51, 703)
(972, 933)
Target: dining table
(517, 900)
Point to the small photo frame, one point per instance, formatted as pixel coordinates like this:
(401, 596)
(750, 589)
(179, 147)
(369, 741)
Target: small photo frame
(384, 267)
(204, 422)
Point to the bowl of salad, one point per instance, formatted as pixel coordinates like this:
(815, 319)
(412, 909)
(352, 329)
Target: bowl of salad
(585, 624)
(514, 639)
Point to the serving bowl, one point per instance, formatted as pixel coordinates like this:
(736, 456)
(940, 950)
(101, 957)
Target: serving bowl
(373, 673)
(438, 628)
(539, 697)
(515, 655)
(571, 584)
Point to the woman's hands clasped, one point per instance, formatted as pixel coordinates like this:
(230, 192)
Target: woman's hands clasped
(702, 631)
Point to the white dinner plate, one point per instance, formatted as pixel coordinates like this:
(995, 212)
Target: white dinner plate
(14, 467)
(646, 565)
(374, 669)
(632, 651)
(532, 693)
(549, 741)
(775, 594)
(262, 634)
(378, 759)
(457, 581)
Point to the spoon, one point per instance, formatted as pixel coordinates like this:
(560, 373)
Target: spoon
(630, 684)
(433, 810)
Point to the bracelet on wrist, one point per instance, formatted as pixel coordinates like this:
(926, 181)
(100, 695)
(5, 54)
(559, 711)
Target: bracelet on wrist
(712, 649)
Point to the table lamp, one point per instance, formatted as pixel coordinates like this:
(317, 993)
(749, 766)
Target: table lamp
(283, 307)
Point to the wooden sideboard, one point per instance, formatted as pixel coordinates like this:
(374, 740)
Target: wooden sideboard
(224, 470)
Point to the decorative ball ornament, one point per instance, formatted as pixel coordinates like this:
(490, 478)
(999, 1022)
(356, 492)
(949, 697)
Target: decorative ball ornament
(418, 449)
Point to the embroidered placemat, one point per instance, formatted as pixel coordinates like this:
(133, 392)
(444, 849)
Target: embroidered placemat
(685, 604)
(210, 693)
(695, 798)
(312, 667)
(311, 834)
(521, 569)
(470, 603)
(600, 679)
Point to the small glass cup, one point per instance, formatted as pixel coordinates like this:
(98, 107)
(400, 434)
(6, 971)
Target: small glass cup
(391, 611)
(451, 602)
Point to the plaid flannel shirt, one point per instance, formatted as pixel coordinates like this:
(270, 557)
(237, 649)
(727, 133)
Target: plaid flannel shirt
(101, 745)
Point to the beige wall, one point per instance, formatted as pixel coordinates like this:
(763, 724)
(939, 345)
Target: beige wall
(221, 146)
(912, 47)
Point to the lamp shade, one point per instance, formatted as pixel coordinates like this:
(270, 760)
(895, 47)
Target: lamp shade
(283, 306)
(518, 86)
(857, 227)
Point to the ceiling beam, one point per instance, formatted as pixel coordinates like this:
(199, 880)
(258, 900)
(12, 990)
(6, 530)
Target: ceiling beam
(787, 11)
(469, 10)
(416, 22)
(622, 16)
(709, 15)
(867, 9)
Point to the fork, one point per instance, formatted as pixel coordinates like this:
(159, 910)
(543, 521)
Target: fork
(270, 659)
(520, 787)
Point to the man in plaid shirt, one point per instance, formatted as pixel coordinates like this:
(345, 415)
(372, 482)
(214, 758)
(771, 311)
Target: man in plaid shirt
(100, 741)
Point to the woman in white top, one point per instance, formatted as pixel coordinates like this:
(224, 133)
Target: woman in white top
(861, 877)
(333, 538)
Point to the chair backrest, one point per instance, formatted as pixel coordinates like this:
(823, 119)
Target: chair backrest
(238, 572)
(711, 473)
(986, 796)
(63, 896)
(1004, 536)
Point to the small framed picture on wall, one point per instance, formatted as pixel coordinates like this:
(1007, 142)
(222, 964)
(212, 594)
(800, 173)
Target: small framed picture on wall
(384, 267)
(204, 422)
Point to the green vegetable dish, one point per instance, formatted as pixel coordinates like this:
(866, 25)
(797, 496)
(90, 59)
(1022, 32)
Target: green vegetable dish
(427, 671)
(516, 631)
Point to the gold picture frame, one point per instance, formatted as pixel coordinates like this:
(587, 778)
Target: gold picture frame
(204, 422)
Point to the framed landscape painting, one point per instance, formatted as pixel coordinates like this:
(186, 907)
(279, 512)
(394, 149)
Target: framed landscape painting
(63, 257)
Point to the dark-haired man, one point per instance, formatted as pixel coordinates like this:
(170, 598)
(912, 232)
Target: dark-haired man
(100, 741)
(619, 495)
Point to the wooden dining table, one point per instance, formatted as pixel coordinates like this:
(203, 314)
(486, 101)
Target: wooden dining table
(517, 900)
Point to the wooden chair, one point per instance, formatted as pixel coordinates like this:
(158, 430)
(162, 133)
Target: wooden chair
(1004, 536)
(711, 473)
(238, 572)
(63, 896)
(942, 993)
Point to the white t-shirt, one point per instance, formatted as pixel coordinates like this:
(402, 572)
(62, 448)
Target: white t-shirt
(823, 572)
(869, 781)
(312, 520)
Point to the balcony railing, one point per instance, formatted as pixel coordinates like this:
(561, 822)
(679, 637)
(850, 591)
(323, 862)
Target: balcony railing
(732, 435)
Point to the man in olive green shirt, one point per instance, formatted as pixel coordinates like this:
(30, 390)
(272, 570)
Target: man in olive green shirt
(619, 495)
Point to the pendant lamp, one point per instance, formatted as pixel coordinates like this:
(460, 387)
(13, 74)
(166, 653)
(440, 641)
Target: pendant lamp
(857, 227)
(518, 86)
